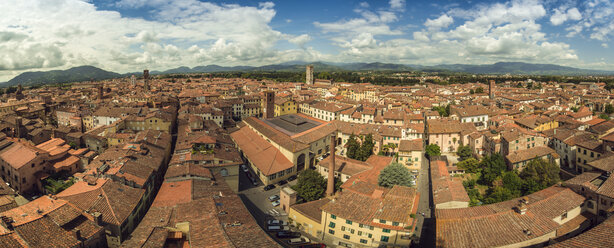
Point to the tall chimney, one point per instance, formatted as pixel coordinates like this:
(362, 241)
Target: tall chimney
(330, 186)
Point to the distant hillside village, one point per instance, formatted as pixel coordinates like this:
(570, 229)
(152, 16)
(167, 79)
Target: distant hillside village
(199, 161)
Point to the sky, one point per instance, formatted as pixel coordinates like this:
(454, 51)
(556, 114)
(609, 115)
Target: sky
(130, 35)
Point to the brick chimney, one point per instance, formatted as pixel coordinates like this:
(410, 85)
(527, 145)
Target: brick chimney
(330, 186)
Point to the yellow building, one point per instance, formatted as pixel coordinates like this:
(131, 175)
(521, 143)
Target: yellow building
(370, 219)
(152, 121)
(285, 106)
(410, 153)
(308, 216)
(537, 123)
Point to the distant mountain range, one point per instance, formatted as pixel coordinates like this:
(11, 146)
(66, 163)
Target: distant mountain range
(85, 73)
(75, 74)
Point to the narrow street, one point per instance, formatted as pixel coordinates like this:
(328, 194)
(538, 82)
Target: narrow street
(426, 224)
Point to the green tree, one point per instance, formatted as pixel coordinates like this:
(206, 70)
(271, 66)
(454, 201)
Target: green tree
(366, 148)
(530, 186)
(513, 183)
(493, 167)
(432, 150)
(311, 185)
(394, 174)
(541, 171)
(464, 152)
(471, 91)
(352, 147)
(609, 109)
(479, 90)
(604, 116)
(470, 165)
(497, 194)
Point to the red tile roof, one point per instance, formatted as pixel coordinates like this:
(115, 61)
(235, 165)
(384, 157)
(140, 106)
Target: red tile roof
(266, 157)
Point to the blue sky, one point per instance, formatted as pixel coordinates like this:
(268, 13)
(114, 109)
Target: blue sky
(129, 35)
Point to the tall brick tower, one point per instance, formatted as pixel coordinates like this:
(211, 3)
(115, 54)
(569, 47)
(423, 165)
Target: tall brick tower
(309, 74)
(330, 185)
(491, 89)
(269, 104)
(146, 80)
(100, 91)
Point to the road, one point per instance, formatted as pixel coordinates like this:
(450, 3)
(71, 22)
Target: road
(257, 202)
(425, 229)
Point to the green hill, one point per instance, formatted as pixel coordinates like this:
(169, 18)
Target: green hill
(75, 74)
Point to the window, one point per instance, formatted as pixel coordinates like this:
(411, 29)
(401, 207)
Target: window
(516, 141)
(384, 239)
(342, 228)
(332, 216)
(359, 233)
(348, 222)
(224, 172)
(395, 223)
(331, 231)
(386, 230)
(382, 221)
(363, 241)
(345, 236)
(360, 225)
(369, 235)
(564, 216)
(331, 224)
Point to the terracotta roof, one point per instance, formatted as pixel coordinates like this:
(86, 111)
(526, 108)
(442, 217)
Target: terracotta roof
(18, 155)
(599, 236)
(445, 189)
(267, 158)
(312, 209)
(475, 226)
(529, 154)
(396, 205)
(346, 166)
(605, 163)
(275, 135)
(113, 200)
(440, 126)
(215, 215)
(411, 145)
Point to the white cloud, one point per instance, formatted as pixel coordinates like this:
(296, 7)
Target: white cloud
(560, 16)
(484, 34)
(441, 22)
(300, 40)
(397, 4)
(58, 34)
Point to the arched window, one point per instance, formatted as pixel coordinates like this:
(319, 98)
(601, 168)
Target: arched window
(224, 172)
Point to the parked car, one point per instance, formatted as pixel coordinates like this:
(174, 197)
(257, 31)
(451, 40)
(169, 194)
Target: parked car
(275, 203)
(273, 198)
(282, 182)
(277, 223)
(287, 235)
(277, 228)
(313, 246)
(298, 241)
(292, 178)
(269, 187)
(244, 168)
